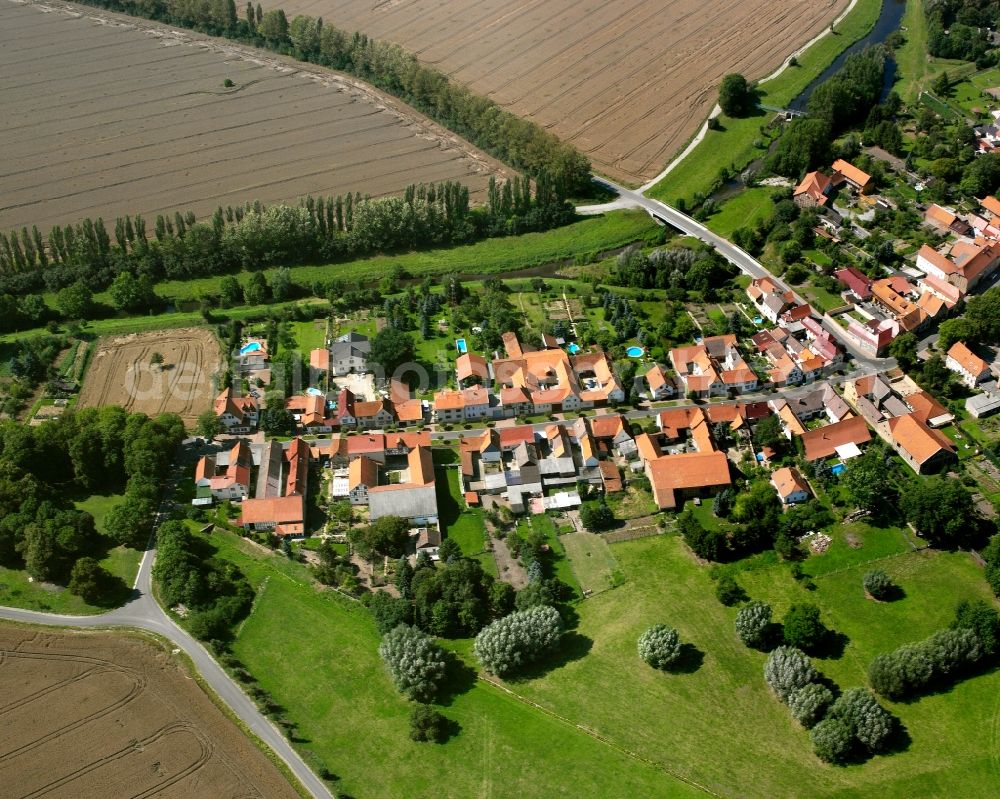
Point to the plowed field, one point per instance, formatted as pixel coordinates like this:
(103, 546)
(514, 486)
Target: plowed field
(96, 716)
(120, 373)
(106, 116)
(627, 82)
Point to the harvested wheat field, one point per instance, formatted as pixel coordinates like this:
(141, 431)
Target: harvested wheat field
(107, 116)
(97, 716)
(121, 373)
(627, 82)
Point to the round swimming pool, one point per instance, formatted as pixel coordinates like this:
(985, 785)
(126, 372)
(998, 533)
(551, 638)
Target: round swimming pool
(635, 352)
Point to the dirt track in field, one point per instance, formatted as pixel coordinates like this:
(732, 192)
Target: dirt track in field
(105, 115)
(628, 82)
(98, 716)
(120, 373)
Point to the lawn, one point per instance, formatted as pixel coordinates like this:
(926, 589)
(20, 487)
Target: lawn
(744, 210)
(461, 524)
(733, 145)
(561, 569)
(578, 240)
(316, 653)
(723, 706)
(592, 563)
(98, 506)
(858, 543)
(309, 335)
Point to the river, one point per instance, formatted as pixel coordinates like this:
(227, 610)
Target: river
(888, 21)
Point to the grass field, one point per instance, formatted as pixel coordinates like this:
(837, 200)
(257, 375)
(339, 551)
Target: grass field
(309, 335)
(682, 721)
(744, 210)
(316, 652)
(580, 239)
(591, 560)
(733, 146)
(561, 569)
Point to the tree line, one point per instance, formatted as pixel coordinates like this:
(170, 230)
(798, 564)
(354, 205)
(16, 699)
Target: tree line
(523, 144)
(77, 260)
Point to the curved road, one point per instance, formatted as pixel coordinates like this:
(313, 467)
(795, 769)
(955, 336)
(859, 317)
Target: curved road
(627, 198)
(143, 612)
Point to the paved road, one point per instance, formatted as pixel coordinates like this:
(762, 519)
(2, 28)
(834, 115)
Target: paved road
(735, 255)
(142, 611)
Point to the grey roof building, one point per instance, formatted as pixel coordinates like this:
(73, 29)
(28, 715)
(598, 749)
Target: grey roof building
(349, 353)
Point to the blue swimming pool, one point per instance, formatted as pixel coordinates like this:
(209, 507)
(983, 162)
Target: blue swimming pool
(839, 469)
(635, 352)
(573, 349)
(314, 391)
(253, 346)
(461, 346)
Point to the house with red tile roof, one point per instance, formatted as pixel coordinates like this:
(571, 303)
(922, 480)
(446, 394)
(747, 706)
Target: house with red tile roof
(790, 485)
(237, 414)
(814, 191)
(963, 361)
(924, 449)
(713, 368)
(278, 503)
(846, 172)
(226, 474)
(470, 369)
(675, 478)
(856, 282)
(660, 386)
(824, 442)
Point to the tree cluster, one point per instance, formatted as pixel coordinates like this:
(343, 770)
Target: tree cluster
(514, 641)
(215, 591)
(84, 452)
(415, 662)
(915, 668)
(676, 269)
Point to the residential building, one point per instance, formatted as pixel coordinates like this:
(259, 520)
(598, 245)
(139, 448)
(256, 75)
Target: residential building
(471, 369)
(236, 414)
(924, 449)
(814, 191)
(373, 414)
(845, 172)
(362, 476)
(225, 475)
(790, 485)
(986, 403)
(659, 384)
(713, 368)
(310, 414)
(278, 503)
(769, 298)
(675, 478)
(856, 283)
(842, 439)
(963, 361)
(349, 353)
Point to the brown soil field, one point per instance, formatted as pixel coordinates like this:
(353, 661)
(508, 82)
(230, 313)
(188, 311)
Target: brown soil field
(105, 115)
(120, 373)
(97, 716)
(628, 82)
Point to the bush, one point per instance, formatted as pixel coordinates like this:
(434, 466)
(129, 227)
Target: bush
(867, 720)
(787, 670)
(802, 627)
(88, 580)
(753, 621)
(415, 662)
(832, 740)
(809, 703)
(597, 516)
(728, 591)
(877, 583)
(518, 639)
(426, 724)
(660, 646)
